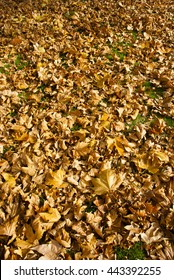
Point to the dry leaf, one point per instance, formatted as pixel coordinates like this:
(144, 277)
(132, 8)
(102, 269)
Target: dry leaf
(56, 178)
(153, 234)
(9, 228)
(107, 181)
(11, 181)
(49, 251)
(151, 160)
(31, 167)
(51, 216)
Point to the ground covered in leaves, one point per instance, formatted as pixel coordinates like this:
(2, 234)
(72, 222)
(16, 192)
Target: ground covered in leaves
(86, 129)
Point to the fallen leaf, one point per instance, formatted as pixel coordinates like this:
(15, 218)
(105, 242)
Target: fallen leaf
(11, 181)
(51, 216)
(56, 178)
(107, 181)
(9, 228)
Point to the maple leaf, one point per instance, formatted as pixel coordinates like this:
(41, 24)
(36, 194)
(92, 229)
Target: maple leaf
(56, 178)
(107, 181)
(22, 244)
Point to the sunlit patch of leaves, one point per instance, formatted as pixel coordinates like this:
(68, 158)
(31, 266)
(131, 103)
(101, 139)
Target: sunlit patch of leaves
(84, 130)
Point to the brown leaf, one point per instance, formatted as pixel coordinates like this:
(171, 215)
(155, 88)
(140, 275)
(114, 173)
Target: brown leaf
(107, 181)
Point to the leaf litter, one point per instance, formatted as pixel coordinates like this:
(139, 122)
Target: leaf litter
(86, 130)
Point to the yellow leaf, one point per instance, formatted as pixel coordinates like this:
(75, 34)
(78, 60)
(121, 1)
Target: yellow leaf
(9, 228)
(64, 238)
(23, 244)
(110, 143)
(9, 179)
(104, 117)
(162, 156)
(22, 137)
(38, 228)
(39, 17)
(30, 235)
(144, 163)
(84, 55)
(92, 143)
(81, 133)
(82, 148)
(105, 124)
(36, 97)
(107, 181)
(55, 178)
(51, 216)
(119, 145)
(144, 45)
(31, 167)
(22, 85)
(152, 160)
